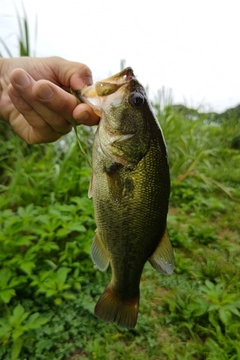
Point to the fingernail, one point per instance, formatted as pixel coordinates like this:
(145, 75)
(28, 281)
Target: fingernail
(87, 80)
(82, 117)
(22, 79)
(45, 92)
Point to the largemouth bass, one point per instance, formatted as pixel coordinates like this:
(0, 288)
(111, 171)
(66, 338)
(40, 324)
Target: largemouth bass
(130, 187)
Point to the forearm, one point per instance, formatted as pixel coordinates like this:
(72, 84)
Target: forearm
(5, 103)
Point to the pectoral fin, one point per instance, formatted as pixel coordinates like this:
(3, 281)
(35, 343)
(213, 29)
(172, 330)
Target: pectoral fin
(163, 259)
(90, 187)
(99, 253)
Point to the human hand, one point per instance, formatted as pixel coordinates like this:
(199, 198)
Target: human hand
(34, 100)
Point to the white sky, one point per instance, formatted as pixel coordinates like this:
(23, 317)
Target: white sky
(189, 46)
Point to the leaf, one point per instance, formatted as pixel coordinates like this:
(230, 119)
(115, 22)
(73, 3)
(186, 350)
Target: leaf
(39, 322)
(50, 292)
(5, 276)
(234, 311)
(198, 307)
(62, 274)
(225, 316)
(51, 264)
(68, 296)
(77, 227)
(213, 307)
(32, 318)
(44, 219)
(26, 240)
(6, 295)
(18, 311)
(27, 267)
(18, 316)
(209, 284)
(63, 232)
(66, 208)
(16, 333)
(5, 329)
(16, 348)
(21, 212)
(35, 321)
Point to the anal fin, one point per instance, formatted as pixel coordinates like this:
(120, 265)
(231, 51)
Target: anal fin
(163, 259)
(99, 253)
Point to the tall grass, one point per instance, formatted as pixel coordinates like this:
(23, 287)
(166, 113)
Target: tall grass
(23, 39)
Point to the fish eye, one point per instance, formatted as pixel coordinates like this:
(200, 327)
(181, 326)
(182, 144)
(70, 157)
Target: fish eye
(136, 99)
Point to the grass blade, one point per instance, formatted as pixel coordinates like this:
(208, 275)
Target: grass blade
(79, 142)
(5, 48)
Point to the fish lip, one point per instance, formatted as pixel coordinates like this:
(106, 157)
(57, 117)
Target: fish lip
(126, 74)
(122, 77)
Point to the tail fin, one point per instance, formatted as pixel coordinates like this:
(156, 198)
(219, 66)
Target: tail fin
(111, 308)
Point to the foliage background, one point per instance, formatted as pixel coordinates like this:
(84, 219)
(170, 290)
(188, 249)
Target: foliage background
(48, 285)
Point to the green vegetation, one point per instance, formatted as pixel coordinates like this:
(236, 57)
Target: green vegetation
(48, 285)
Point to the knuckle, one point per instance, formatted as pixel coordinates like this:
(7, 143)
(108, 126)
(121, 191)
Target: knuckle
(22, 105)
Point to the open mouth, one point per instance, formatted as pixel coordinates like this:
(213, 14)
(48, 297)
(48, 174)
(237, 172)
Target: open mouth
(113, 83)
(97, 94)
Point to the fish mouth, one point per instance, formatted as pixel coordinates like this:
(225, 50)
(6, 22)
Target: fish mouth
(97, 94)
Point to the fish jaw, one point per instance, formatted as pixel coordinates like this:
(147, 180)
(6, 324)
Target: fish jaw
(98, 95)
(122, 77)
